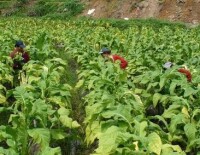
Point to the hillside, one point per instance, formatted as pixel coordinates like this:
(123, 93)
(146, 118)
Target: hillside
(173, 10)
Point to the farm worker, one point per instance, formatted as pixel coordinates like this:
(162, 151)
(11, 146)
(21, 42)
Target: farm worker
(184, 71)
(19, 56)
(106, 53)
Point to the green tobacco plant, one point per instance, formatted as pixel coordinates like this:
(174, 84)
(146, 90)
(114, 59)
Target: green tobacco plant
(140, 110)
(41, 110)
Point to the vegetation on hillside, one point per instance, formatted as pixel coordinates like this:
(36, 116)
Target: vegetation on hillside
(39, 8)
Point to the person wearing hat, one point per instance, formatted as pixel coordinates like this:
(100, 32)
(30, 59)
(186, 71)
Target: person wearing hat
(184, 71)
(106, 53)
(19, 56)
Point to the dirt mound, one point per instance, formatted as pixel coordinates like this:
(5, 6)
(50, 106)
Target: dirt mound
(174, 10)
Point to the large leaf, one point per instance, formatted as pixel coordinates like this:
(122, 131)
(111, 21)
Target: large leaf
(93, 130)
(190, 131)
(172, 87)
(41, 136)
(140, 128)
(171, 111)
(194, 144)
(2, 99)
(168, 149)
(58, 134)
(79, 84)
(65, 119)
(156, 98)
(189, 91)
(8, 151)
(109, 145)
(51, 151)
(177, 120)
(68, 122)
(155, 143)
(122, 112)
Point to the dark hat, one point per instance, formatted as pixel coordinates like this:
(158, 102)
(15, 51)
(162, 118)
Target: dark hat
(105, 50)
(20, 43)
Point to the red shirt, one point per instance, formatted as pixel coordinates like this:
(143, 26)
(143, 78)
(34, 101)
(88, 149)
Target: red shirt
(25, 56)
(187, 73)
(123, 62)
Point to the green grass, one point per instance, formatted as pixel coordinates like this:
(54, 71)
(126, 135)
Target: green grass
(5, 4)
(50, 9)
(77, 107)
(124, 24)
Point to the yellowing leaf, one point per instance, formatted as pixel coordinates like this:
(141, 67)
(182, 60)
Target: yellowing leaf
(185, 111)
(2, 99)
(155, 143)
(58, 134)
(75, 124)
(136, 145)
(79, 84)
(68, 122)
(156, 98)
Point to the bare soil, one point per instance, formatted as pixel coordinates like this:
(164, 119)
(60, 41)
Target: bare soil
(187, 11)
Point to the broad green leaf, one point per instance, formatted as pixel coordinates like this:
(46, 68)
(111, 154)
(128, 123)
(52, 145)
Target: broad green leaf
(109, 145)
(57, 100)
(93, 130)
(194, 143)
(177, 120)
(63, 111)
(68, 122)
(189, 91)
(162, 82)
(190, 131)
(155, 143)
(138, 91)
(8, 151)
(41, 136)
(171, 111)
(160, 118)
(2, 99)
(91, 84)
(58, 134)
(33, 79)
(123, 112)
(156, 98)
(51, 151)
(142, 130)
(79, 84)
(185, 111)
(40, 41)
(11, 143)
(138, 99)
(39, 107)
(172, 88)
(196, 112)
(168, 149)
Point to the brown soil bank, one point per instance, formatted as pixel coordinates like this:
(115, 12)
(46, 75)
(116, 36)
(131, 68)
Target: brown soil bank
(174, 10)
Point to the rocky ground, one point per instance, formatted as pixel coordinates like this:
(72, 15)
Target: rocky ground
(187, 11)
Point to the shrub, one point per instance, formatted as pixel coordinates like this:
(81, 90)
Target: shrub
(68, 8)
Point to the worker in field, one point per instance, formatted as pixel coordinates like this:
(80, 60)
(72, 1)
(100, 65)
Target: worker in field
(19, 55)
(106, 53)
(183, 70)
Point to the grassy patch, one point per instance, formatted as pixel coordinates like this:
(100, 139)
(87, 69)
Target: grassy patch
(56, 9)
(124, 24)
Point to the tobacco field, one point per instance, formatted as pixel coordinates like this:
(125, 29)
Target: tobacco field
(142, 110)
